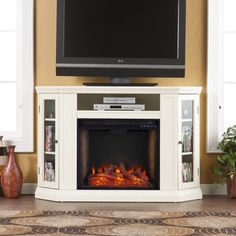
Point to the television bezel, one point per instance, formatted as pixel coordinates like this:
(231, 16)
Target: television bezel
(120, 67)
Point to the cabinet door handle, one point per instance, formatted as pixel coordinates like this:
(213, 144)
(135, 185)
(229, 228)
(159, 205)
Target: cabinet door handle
(56, 141)
(180, 142)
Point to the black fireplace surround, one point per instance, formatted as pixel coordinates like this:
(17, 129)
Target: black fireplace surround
(118, 151)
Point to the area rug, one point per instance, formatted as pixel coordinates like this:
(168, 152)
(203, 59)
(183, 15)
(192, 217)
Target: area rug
(130, 223)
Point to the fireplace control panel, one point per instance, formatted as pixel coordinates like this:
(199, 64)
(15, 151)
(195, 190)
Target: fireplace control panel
(126, 102)
(119, 107)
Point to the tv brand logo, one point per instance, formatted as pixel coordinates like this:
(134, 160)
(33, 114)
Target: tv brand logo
(120, 61)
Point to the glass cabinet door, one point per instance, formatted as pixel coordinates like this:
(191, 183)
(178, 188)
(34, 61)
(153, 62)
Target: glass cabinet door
(49, 150)
(187, 141)
(188, 163)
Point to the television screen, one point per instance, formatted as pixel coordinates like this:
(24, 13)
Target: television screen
(121, 28)
(139, 34)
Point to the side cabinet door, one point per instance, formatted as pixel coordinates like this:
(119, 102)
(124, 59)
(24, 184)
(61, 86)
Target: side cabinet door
(188, 145)
(48, 141)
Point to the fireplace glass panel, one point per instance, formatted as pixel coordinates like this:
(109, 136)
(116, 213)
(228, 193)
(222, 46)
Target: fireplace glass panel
(118, 154)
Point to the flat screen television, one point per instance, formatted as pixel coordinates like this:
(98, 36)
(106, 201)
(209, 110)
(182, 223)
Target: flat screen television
(121, 38)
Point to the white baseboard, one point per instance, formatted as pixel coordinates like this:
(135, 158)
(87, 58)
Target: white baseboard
(207, 189)
(3, 160)
(214, 189)
(28, 188)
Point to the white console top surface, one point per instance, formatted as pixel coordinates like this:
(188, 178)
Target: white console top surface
(119, 89)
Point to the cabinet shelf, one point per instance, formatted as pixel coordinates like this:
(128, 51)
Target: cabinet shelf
(50, 119)
(81, 114)
(186, 153)
(187, 120)
(50, 153)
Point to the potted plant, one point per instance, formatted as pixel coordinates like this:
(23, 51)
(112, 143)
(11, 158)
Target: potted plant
(226, 168)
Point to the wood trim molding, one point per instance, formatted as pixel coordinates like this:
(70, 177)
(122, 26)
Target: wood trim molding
(214, 189)
(214, 75)
(207, 189)
(28, 188)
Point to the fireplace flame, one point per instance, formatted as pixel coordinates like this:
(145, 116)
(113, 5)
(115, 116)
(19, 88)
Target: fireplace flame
(93, 171)
(118, 176)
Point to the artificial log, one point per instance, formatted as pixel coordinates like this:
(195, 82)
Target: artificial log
(118, 176)
(141, 175)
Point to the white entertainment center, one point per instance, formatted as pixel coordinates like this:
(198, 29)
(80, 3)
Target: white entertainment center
(175, 108)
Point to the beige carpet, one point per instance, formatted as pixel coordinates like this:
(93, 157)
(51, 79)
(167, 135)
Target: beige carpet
(130, 223)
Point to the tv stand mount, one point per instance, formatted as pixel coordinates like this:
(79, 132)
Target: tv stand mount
(120, 81)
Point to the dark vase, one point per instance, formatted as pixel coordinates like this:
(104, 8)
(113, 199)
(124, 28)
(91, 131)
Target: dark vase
(231, 187)
(12, 176)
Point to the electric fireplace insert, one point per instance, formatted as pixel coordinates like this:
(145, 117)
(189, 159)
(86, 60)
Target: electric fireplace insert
(118, 154)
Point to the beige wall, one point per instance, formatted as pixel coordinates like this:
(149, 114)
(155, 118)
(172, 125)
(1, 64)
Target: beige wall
(45, 38)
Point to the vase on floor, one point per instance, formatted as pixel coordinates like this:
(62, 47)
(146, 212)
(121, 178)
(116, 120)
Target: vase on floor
(12, 177)
(231, 186)
(3, 159)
